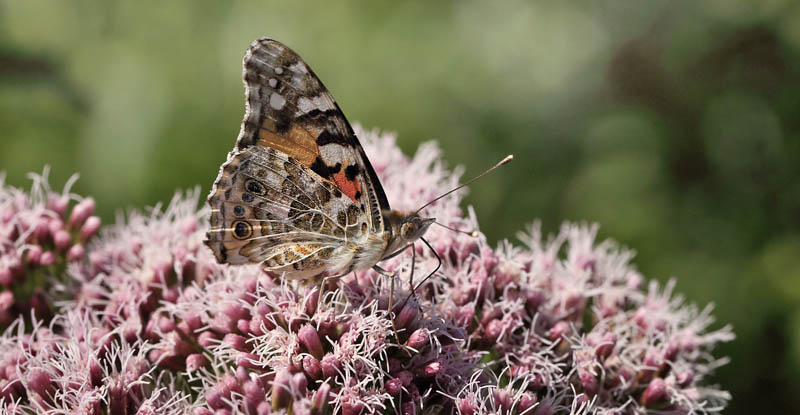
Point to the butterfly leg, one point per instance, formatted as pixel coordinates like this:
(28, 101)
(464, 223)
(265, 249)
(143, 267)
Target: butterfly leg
(438, 265)
(324, 282)
(390, 275)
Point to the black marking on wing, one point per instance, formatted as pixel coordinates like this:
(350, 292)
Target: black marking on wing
(324, 170)
(351, 172)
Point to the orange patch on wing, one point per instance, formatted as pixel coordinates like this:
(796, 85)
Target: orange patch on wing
(298, 142)
(350, 188)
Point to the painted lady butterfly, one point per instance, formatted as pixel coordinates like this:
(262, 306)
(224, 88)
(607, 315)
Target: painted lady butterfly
(297, 194)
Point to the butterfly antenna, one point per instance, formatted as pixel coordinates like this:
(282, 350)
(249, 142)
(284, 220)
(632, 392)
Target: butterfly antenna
(473, 234)
(502, 162)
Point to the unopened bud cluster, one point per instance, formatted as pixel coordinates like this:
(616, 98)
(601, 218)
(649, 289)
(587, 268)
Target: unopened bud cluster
(42, 232)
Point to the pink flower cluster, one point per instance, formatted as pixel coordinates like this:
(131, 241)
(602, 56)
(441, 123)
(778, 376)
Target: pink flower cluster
(41, 233)
(148, 323)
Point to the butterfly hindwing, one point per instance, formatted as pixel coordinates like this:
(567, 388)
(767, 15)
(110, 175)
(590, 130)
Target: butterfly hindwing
(269, 208)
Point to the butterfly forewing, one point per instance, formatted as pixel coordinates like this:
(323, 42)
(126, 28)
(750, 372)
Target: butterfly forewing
(289, 109)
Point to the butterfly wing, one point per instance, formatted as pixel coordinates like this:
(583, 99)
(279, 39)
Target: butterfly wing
(298, 185)
(269, 208)
(290, 110)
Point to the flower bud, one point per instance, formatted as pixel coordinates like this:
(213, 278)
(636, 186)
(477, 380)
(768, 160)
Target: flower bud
(253, 391)
(431, 368)
(300, 383)
(80, 213)
(684, 379)
(352, 408)
(418, 339)
(406, 315)
(588, 381)
(319, 402)
(393, 386)
(242, 375)
(243, 326)
(76, 253)
(558, 331)
(526, 402)
(62, 240)
(34, 255)
(235, 342)
(533, 300)
(95, 372)
(57, 203)
(216, 395)
(55, 225)
(311, 301)
(193, 320)
(255, 325)
(655, 393)
(464, 316)
(90, 227)
(493, 331)
(309, 338)
(247, 360)
(330, 366)
(235, 311)
(5, 276)
(312, 367)
(606, 345)
(263, 408)
(6, 300)
(465, 407)
(206, 339)
(281, 390)
(48, 258)
(672, 350)
(195, 361)
(40, 382)
(231, 383)
(503, 399)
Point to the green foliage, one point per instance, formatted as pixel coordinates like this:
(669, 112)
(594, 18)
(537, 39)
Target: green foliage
(671, 123)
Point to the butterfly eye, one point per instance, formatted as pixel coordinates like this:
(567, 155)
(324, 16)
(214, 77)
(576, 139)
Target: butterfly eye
(408, 230)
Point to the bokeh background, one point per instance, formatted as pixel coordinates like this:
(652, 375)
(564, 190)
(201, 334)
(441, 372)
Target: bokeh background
(674, 124)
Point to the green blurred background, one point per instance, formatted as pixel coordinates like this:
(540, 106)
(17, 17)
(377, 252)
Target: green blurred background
(675, 125)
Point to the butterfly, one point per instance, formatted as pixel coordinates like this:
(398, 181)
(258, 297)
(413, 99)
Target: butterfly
(297, 194)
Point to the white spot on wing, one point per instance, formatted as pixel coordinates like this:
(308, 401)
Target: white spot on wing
(277, 101)
(298, 68)
(273, 82)
(332, 153)
(279, 70)
(306, 105)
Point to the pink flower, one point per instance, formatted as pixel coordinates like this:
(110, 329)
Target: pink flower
(139, 318)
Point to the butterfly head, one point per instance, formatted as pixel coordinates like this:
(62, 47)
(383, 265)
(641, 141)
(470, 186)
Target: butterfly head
(412, 227)
(405, 228)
